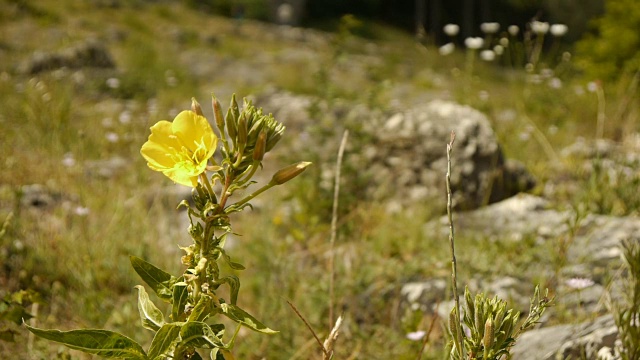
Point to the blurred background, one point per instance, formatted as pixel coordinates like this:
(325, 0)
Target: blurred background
(542, 94)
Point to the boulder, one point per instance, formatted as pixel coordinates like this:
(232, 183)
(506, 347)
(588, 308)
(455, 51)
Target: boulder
(90, 53)
(400, 156)
(579, 341)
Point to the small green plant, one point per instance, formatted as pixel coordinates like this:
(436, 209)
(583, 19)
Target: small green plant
(488, 328)
(13, 310)
(185, 151)
(492, 327)
(627, 313)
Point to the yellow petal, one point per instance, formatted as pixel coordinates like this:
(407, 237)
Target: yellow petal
(161, 146)
(185, 173)
(193, 129)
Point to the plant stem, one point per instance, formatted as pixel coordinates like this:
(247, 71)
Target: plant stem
(254, 194)
(334, 225)
(454, 284)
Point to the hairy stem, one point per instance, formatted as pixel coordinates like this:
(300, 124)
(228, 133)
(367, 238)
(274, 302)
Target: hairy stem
(454, 273)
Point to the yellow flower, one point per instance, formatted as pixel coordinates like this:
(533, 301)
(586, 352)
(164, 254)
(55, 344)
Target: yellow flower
(182, 148)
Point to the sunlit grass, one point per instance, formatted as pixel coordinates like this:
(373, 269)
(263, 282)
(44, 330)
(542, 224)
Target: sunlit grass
(81, 243)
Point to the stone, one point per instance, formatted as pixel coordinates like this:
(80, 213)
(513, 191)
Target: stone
(90, 53)
(401, 155)
(567, 341)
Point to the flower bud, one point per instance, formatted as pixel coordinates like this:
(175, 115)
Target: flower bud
(261, 144)
(217, 113)
(234, 107)
(195, 107)
(453, 325)
(232, 127)
(489, 334)
(287, 173)
(242, 130)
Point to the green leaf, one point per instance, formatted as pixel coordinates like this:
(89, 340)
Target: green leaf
(180, 295)
(200, 335)
(103, 343)
(242, 317)
(7, 335)
(14, 313)
(165, 339)
(234, 286)
(203, 309)
(151, 317)
(227, 258)
(157, 279)
(216, 355)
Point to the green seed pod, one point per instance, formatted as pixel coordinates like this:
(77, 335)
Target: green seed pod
(287, 173)
(195, 107)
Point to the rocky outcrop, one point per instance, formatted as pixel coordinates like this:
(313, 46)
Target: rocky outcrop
(581, 341)
(401, 155)
(90, 53)
(593, 251)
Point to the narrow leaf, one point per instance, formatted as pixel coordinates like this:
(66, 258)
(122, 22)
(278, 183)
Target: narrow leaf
(165, 339)
(159, 280)
(200, 335)
(150, 316)
(242, 317)
(103, 343)
(180, 295)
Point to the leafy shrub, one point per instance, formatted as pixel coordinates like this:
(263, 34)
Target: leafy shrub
(613, 50)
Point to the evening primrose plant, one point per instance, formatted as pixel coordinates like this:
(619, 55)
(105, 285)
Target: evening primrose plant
(188, 151)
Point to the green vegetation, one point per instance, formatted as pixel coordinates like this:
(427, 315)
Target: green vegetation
(77, 133)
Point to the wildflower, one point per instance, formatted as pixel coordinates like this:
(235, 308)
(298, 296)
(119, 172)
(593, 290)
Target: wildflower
(81, 211)
(473, 43)
(182, 148)
(558, 30)
(447, 49)
(504, 42)
(451, 29)
(68, 160)
(487, 55)
(113, 83)
(539, 27)
(416, 335)
(498, 49)
(513, 30)
(112, 137)
(555, 83)
(490, 27)
(579, 283)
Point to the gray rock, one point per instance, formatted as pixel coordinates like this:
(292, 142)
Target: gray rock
(107, 168)
(91, 53)
(37, 196)
(567, 341)
(402, 155)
